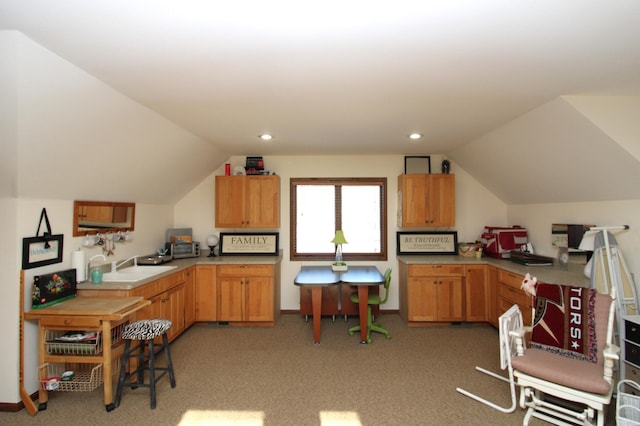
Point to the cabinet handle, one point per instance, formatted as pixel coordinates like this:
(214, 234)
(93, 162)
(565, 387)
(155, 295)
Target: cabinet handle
(436, 266)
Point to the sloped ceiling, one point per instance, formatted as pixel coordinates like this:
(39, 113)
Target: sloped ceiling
(344, 78)
(555, 154)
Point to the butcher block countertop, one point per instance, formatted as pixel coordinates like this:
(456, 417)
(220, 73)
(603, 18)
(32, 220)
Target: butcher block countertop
(107, 308)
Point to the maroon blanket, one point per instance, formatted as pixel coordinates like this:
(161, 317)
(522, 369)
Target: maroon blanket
(564, 321)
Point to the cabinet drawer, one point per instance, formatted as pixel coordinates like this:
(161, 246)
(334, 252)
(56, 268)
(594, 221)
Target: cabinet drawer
(79, 322)
(632, 331)
(509, 278)
(632, 353)
(436, 270)
(514, 295)
(245, 270)
(632, 373)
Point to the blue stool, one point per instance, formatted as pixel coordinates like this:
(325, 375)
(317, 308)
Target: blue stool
(144, 332)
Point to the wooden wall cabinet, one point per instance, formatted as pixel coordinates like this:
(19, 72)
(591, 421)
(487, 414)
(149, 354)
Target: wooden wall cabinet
(426, 200)
(247, 294)
(431, 293)
(247, 201)
(103, 214)
(206, 293)
(511, 294)
(476, 293)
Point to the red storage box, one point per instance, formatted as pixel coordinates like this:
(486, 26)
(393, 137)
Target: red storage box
(499, 241)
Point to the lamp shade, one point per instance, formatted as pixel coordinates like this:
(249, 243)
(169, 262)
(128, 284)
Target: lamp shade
(339, 238)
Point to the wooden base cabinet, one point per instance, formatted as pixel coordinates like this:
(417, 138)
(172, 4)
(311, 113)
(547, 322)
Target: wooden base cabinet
(167, 296)
(247, 294)
(431, 293)
(476, 293)
(190, 297)
(206, 293)
(511, 294)
(492, 296)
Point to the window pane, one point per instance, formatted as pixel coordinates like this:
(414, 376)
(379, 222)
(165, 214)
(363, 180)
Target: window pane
(315, 221)
(361, 219)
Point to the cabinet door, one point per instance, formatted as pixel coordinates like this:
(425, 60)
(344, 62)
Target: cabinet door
(206, 294)
(476, 293)
(492, 295)
(258, 299)
(101, 214)
(190, 297)
(450, 299)
(174, 310)
(263, 202)
(230, 299)
(422, 299)
(230, 201)
(441, 200)
(413, 194)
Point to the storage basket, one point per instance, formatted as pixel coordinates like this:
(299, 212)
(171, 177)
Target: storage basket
(55, 346)
(627, 405)
(86, 377)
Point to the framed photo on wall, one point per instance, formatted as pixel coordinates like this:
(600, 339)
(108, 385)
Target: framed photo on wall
(417, 164)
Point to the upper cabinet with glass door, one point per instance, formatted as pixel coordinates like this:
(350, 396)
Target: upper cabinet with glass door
(92, 217)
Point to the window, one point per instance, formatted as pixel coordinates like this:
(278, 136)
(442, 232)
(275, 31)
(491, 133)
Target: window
(320, 206)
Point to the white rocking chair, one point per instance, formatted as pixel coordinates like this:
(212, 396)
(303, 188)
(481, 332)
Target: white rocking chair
(567, 391)
(509, 325)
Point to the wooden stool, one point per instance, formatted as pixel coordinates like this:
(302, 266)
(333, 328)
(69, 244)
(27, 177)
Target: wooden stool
(144, 332)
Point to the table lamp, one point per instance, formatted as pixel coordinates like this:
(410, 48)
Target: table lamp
(339, 240)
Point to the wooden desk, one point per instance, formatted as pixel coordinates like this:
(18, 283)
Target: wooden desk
(318, 277)
(102, 314)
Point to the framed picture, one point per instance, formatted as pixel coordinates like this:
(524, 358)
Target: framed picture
(41, 251)
(427, 242)
(420, 164)
(49, 289)
(250, 243)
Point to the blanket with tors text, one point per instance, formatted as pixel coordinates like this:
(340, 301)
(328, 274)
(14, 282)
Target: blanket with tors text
(564, 321)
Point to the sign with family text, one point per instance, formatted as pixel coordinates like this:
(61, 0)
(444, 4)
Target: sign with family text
(427, 242)
(241, 244)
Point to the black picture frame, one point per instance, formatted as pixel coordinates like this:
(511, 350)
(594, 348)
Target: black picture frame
(41, 251)
(417, 164)
(249, 244)
(427, 242)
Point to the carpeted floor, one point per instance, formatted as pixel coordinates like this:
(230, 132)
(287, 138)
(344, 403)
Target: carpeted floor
(277, 376)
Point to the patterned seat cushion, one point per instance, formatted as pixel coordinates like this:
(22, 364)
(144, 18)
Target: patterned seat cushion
(146, 329)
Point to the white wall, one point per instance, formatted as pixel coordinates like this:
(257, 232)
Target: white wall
(537, 218)
(475, 205)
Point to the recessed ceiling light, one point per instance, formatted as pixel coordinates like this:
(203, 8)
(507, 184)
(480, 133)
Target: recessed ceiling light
(415, 136)
(265, 137)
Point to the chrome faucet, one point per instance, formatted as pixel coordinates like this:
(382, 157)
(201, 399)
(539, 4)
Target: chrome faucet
(115, 266)
(89, 264)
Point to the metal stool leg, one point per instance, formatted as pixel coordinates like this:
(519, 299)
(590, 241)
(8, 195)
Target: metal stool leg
(172, 377)
(123, 371)
(152, 373)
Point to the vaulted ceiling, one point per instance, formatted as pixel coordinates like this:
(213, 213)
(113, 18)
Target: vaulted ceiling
(357, 77)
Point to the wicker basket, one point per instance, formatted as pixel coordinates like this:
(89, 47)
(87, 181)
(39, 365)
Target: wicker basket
(468, 249)
(86, 377)
(627, 405)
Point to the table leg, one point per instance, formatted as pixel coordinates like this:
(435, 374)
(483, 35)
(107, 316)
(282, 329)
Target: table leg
(316, 303)
(363, 296)
(107, 365)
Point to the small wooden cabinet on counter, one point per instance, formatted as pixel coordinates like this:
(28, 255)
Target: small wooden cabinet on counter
(167, 296)
(248, 294)
(431, 293)
(247, 201)
(426, 200)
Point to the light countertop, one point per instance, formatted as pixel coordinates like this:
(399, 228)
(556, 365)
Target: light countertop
(571, 274)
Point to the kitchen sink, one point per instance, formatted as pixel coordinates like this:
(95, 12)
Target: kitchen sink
(136, 273)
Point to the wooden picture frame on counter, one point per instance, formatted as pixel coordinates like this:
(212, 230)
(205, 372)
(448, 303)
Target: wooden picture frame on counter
(249, 243)
(427, 242)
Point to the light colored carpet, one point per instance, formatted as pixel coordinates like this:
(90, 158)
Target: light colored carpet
(277, 376)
